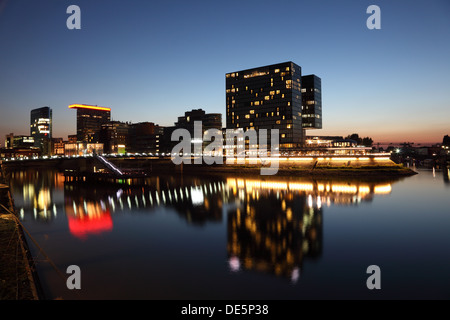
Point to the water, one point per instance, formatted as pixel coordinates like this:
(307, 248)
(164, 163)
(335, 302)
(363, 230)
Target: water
(231, 237)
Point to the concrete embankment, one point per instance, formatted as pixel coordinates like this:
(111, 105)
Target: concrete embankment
(17, 280)
(337, 166)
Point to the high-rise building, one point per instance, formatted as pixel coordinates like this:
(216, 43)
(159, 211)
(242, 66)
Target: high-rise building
(41, 127)
(269, 97)
(89, 121)
(311, 102)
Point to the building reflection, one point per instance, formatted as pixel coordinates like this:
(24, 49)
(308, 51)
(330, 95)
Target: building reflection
(273, 224)
(279, 223)
(35, 190)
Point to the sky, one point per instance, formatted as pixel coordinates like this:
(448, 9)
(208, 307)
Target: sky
(154, 60)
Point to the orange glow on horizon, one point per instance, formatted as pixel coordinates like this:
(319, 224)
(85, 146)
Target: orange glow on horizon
(85, 106)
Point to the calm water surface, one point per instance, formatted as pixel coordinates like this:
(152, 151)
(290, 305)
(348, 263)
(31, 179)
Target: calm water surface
(231, 237)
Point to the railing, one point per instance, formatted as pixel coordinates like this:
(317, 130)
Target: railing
(109, 165)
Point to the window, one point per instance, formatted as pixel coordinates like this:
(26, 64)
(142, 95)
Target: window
(252, 111)
(256, 103)
(289, 126)
(267, 98)
(276, 71)
(247, 116)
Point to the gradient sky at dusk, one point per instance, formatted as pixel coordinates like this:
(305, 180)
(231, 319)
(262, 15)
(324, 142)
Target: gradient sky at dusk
(154, 60)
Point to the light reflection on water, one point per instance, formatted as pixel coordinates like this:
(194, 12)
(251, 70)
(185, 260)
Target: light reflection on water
(234, 228)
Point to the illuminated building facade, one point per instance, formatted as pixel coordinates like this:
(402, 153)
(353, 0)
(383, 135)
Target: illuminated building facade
(270, 97)
(89, 121)
(41, 128)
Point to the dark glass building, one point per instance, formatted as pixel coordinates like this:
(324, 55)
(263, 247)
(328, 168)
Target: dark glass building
(269, 97)
(311, 102)
(114, 136)
(145, 137)
(41, 127)
(89, 121)
(208, 121)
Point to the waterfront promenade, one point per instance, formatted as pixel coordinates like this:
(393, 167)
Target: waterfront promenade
(16, 279)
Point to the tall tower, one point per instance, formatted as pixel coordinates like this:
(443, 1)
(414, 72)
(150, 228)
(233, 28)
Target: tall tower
(41, 127)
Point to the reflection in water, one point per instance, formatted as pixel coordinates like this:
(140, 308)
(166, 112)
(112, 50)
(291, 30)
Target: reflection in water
(273, 224)
(279, 223)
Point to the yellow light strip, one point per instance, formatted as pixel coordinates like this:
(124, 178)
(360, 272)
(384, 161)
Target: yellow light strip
(84, 106)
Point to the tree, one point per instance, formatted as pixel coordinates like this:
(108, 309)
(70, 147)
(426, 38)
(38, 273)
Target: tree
(367, 141)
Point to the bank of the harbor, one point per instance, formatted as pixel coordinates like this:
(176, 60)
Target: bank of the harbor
(300, 166)
(17, 280)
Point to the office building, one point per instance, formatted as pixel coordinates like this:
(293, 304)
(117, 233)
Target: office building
(311, 102)
(41, 128)
(270, 97)
(114, 136)
(145, 137)
(208, 121)
(89, 122)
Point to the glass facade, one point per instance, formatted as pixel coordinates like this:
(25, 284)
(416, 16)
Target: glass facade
(267, 97)
(41, 126)
(89, 122)
(312, 102)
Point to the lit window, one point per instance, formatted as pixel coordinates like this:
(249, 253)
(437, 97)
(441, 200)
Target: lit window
(252, 111)
(267, 98)
(247, 116)
(289, 126)
(272, 93)
(303, 90)
(256, 103)
(287, 68)
(276, 71)
(283, 135)
(278, 91)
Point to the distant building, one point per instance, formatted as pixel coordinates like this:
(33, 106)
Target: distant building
(89, 121)
(23, 142)
(321, 141)
(72, 138)
(114, 135)
(270, 97)
(57, 148)
(208, 121)
(41, 128)
(19, 152)
(79, 148)
(311, 102)
(9, 140)
(145, 137)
